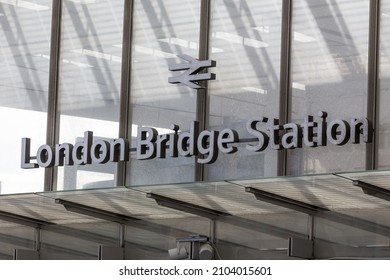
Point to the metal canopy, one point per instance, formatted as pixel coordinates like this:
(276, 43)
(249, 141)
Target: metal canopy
(38, 206)
(268, 205)
(279, 195)
(117, 217)
(334, 192)
(224, 217)
(119, 201)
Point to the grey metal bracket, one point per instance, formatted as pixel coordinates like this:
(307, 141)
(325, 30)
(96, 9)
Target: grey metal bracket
(23, 220)
(285, 201)
(110, 253)
(373, 190)
(300, 248)
(187, 207)
(94, 212)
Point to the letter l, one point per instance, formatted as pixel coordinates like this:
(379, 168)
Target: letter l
(26, 164)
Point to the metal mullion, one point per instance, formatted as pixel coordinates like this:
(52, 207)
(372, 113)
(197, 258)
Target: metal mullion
(202, 106)
(372, 83)
(284, 88)
(52, 132)
(38, 238)
(125, 103)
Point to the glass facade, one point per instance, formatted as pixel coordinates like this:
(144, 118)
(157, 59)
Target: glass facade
(161, 31)
(24, 76)
(89, 83)
(329, 73)
(384, 87)
(275, 60)
(245, 42)
(328, 70)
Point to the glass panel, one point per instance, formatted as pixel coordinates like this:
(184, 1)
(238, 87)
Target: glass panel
(13, 236)
(24, 74)
(89, 83)
(245, 43)
(329, 73)
(346, 242)
(384, 67)
(162, 30)
(238, 243)
(78, 241)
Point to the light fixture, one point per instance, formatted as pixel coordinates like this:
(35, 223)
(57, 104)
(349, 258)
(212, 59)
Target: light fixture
(178, 253)
(206, 252)
(199, 248)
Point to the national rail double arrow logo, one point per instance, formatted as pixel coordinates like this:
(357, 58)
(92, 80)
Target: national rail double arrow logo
(192, 76)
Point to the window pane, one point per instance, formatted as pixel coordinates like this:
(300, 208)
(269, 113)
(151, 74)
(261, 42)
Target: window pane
(162, 30)
(384, 115)
(245, 42)
(24, 74)
(89, 84)
(329, 73)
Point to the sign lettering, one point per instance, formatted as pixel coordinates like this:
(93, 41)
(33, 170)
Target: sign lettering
(205, 145)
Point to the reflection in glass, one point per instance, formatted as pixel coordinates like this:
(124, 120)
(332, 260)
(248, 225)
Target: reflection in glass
(162, 30)
(329, 73)
(245, 42)
(89, 83)
(24, 74)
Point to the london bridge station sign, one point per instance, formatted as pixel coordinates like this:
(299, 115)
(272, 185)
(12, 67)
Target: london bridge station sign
(205, 145)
